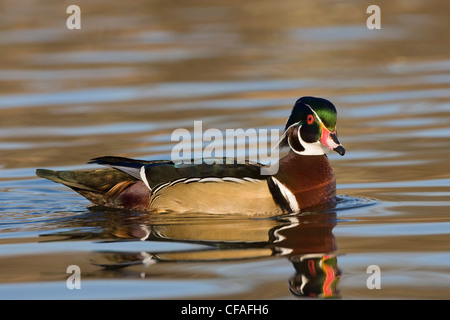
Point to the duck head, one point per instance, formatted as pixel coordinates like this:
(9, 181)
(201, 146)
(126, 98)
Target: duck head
(311, 128)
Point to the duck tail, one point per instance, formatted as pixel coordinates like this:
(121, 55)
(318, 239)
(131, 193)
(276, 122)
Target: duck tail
(101, 186)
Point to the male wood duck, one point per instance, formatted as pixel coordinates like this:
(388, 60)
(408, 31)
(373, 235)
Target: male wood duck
(304, 178)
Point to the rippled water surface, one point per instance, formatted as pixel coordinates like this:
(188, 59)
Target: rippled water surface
(137, 71)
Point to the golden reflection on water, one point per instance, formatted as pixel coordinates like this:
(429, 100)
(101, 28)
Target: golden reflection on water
(137, 71)
(307, 242)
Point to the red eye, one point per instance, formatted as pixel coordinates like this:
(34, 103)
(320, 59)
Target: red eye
(310, 119)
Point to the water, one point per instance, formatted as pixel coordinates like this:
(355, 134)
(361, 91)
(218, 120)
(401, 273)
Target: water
(136, 72)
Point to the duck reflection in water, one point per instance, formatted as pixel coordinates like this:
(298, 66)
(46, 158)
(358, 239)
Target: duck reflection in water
(305, 240)
(313, 245)
(317, 275)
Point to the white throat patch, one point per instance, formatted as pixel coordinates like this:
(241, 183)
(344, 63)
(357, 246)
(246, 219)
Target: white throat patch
(311, 149)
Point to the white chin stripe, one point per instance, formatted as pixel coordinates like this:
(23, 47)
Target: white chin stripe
(288, 195)
(311, 149)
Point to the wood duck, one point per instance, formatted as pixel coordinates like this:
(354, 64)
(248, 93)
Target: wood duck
(304, 177)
